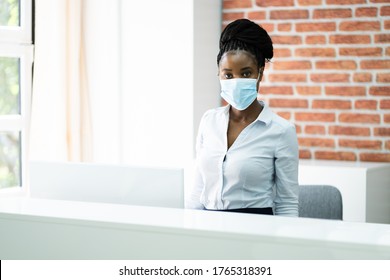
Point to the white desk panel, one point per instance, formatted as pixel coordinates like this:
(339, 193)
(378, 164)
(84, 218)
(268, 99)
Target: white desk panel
(364, 186)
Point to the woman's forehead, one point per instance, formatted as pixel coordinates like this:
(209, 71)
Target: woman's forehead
(237, 58)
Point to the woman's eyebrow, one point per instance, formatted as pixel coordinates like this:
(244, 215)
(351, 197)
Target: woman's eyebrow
(226, 69)
(246, 68)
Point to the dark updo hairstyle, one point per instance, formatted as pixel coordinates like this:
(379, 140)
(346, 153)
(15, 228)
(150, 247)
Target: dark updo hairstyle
(243, 34)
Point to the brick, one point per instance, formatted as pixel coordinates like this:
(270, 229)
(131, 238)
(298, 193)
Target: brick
(361, 51)
(366, 104)
(289, 40)
(315, 117)
(387, 144)
(360, 26)
(315, 27)
(362, 77)
(234, 4)
(314, 129)
(292, 65)
(315, 39)
(385, 11)
(232, 16)
(379, 1)
(284, 90)
(284, 27)
(279, 3)
(256, 15)
(382, 38)
(388, 51)
(375, 157)
(380, 91)
(385, 104)
(386, 118)
(332, 13)
(284, 115)
(316, 142)
(269, 27)
(329, 78)
(298, 129)
(291, 78)
(345, 91)
(338, 65)
(289, 14)
(289, 103)
(361, 144)
(359, 118)
(366, 12)
(311, 52)
(345, 2)
(308, 90)
(331, 104)
(375, 64)
(281, 52)
(349, 130)
(332, 155)
(382, 131)
(387, 24)
(304, 154)
(349, 39)
(309, 2)
(383, 77)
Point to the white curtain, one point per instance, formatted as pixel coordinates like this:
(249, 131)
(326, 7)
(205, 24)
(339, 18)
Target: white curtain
(61, 127)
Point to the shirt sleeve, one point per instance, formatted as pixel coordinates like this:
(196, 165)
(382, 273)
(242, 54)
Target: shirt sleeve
(192, 200)
(286, 174)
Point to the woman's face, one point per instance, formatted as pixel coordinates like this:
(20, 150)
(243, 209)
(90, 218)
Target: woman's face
(239, 64)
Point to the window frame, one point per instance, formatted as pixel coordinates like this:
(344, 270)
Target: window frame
(23, 32)
(17, 42)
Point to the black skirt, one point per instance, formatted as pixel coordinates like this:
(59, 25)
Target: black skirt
(262, 211)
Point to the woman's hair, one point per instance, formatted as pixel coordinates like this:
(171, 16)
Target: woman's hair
(243, 34)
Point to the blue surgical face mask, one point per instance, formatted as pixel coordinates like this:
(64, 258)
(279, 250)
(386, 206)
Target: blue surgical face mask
(240, 92)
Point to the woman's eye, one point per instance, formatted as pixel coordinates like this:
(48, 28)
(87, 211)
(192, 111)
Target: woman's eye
(246, 74)
(228, 76)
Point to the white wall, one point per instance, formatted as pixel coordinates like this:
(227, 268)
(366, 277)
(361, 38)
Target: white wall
(207, 29)
(153, 76)
(156, 86)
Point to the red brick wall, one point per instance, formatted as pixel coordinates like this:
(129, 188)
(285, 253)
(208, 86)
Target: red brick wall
(330, 73)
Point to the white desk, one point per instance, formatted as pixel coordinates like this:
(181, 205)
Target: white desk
(364, 186)
(50, 229)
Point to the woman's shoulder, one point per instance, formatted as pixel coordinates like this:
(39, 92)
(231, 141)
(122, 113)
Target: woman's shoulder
(274, 119)
(215, 112)
(280, 121)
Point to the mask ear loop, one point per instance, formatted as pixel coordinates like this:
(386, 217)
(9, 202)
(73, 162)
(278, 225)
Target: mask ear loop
(258, 80)
(260, 76)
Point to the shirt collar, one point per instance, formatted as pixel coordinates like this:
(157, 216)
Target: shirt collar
(265, 116)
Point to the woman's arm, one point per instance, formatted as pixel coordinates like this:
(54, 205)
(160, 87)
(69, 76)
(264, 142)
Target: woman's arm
(286, 174)
(192, 200)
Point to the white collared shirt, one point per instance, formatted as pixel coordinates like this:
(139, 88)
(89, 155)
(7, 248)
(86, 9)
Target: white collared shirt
(259, 170)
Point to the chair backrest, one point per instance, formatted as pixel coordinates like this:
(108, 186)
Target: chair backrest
(320, 201)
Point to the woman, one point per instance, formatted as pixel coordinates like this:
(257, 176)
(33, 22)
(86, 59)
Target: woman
(247, 156)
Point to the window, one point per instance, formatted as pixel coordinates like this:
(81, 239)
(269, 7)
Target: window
(16, 55)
